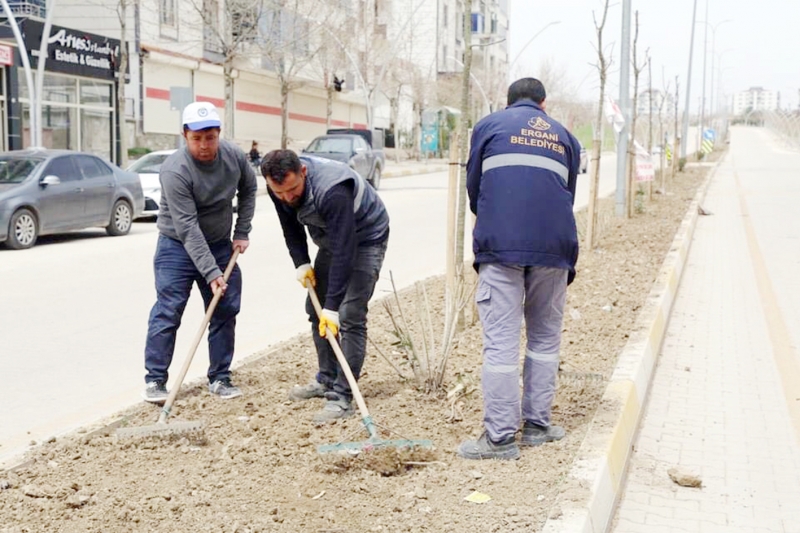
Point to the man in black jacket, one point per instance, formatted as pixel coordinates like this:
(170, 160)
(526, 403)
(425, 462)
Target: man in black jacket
(349, 223)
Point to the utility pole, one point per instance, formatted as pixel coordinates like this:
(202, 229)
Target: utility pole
(625, 107)
(702, 123)
(685, 136)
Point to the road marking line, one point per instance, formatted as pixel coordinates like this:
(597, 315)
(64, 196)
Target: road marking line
(782, 350)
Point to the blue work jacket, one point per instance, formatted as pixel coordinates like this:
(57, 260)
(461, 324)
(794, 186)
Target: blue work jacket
(521, 177)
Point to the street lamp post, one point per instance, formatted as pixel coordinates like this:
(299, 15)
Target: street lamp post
(684, 137)
(705, 55)
(477, 84)
(535, 35)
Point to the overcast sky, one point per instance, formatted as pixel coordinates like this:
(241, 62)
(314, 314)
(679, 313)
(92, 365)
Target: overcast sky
(759, 46)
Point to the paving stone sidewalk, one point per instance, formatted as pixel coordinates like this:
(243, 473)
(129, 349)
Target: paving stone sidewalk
(717, 405)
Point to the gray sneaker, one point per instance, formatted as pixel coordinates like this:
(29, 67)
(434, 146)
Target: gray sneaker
(535, 435)
(334, 409)
(484, 448)
(155, 392)
(315, 389)
(224, 389)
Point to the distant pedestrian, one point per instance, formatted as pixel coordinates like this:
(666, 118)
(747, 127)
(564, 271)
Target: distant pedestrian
(195, 220)
(254, 154)
(348, 222)
(521, 178)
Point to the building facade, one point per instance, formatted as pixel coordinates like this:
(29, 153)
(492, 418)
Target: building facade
(755, 99)
(233, 53)
(78, 88)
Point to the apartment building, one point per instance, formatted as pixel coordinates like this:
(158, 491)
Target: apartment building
(490, 27)
(233, 53)
(755, 99)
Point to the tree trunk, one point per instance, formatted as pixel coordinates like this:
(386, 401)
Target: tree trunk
(284, 113)
(123, 67)
(227, 72)
(463, 142)
(329, 103)
(597, 143)
(597, 139)
(418, 130)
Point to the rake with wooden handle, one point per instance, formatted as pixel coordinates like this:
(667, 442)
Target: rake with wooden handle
(374, 441)
(161, 428)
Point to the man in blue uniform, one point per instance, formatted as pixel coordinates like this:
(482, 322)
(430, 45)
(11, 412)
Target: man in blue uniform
(347, 220)
(521, 178)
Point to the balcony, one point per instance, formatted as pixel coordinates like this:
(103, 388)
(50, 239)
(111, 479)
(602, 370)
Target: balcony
(27, 8)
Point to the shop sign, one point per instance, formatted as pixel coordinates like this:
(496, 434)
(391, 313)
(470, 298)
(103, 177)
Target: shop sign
(73, 52)
(6, 55)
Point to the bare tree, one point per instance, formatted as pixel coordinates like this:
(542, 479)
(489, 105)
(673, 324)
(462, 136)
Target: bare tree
(290, 41)
(602, 66)
(227, 29)
(662, 107)
(463, 140)
(637, 70)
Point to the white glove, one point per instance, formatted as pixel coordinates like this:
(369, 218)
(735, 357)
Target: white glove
(329, 321)
(305, 274)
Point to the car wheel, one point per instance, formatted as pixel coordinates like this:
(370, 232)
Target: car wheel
(376, 178)
(23, 230)
(121, 218)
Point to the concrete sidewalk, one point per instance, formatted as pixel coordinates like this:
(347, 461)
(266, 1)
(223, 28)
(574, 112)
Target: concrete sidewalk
(725, 398)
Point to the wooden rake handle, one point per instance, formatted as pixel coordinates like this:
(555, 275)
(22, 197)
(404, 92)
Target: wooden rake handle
(362, 406)
(197, 338)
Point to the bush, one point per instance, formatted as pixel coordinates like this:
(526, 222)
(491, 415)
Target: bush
(138, 151)
(681, 164)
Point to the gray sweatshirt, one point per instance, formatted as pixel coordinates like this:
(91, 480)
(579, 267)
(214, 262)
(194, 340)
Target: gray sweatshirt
(196, 202)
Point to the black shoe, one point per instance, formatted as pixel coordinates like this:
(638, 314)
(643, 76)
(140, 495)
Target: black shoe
(534, 434)
(485, 448)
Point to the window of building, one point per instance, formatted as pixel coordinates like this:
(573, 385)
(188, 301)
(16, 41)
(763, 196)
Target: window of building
(167, 14)
(77, 114)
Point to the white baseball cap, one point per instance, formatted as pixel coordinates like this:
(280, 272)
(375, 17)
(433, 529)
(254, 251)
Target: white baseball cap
(201, 115)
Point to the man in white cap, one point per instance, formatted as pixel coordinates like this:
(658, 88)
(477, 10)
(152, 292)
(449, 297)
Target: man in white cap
(195, 221)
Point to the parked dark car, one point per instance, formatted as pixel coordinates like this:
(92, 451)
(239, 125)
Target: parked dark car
(356, 148)
(54, 191)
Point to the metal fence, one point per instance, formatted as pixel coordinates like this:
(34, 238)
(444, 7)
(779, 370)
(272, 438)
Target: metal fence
(785, 125)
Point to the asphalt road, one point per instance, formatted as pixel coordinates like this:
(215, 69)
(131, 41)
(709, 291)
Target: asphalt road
(75, 307)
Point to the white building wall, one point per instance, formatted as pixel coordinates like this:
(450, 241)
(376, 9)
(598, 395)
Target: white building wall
(173, 56)
(756, 99)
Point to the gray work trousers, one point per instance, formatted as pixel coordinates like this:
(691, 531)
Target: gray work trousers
(504, 293)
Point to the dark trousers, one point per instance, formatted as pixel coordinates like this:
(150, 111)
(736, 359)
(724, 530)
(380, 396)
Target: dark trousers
(352, 316)
(175, 273)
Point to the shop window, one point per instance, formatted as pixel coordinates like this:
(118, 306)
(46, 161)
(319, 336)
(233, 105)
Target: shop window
(59, 127)
(95, 93)
(96, 132)
(60, 89)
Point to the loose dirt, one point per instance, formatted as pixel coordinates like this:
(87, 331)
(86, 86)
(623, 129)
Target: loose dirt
(257, 468)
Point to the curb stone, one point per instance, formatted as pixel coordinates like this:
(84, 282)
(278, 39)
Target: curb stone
(588, 496)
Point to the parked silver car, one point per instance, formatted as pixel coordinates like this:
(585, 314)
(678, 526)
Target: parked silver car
(53, 191)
